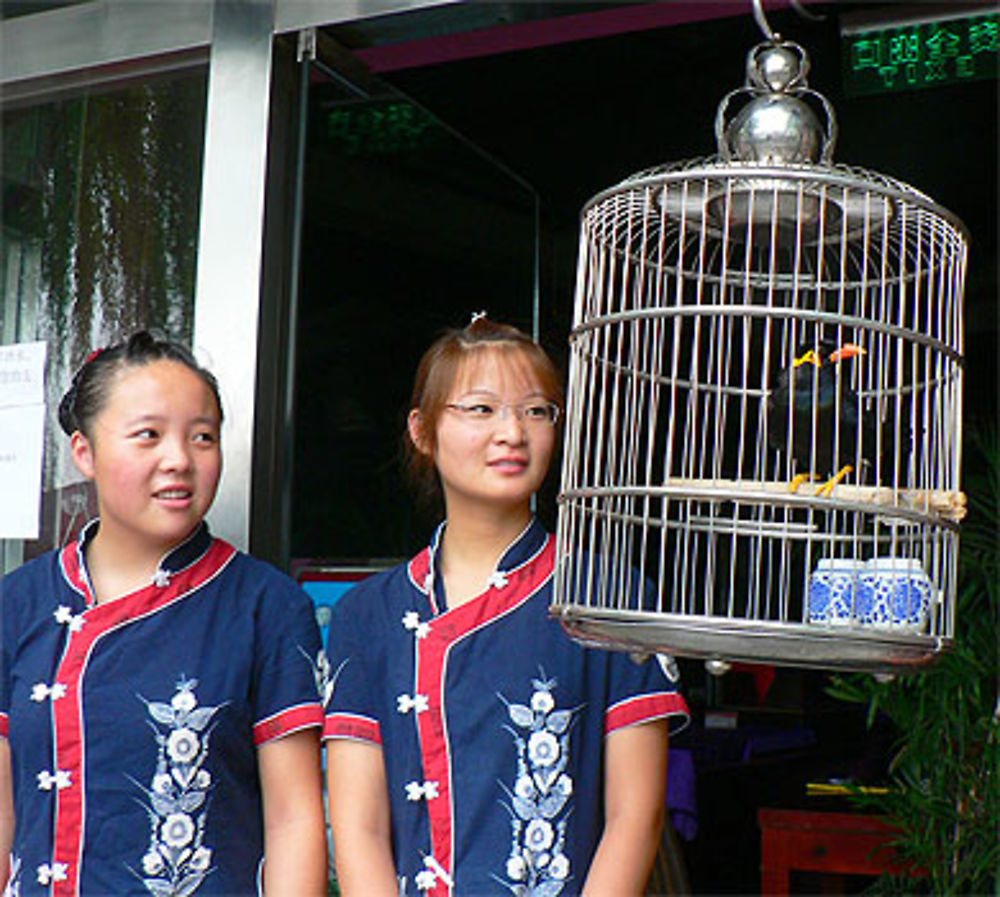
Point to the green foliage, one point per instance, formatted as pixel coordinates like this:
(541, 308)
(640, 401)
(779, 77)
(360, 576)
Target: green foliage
(943, 792)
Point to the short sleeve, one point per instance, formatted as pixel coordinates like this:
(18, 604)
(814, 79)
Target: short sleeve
(639, 692)
(289, 666)
(350, 709)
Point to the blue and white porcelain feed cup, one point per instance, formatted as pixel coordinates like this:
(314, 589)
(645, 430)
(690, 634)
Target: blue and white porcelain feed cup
(831, 591)
(893, 593)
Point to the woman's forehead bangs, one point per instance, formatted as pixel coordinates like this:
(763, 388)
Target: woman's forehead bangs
(521, 366)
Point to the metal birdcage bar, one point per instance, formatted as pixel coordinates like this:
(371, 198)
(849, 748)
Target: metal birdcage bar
(763, 433)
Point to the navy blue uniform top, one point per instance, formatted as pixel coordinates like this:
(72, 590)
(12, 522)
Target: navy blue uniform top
(491, 720)
(134, 723)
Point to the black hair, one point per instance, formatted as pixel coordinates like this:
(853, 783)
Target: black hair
(88, 393)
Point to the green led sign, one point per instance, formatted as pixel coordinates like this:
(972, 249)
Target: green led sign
(895, 58)
(379, 127)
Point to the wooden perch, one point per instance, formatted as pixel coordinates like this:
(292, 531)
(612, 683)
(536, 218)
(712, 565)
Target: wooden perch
(949, 505)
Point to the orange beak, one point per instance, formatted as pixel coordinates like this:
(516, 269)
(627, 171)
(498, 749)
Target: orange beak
(848, 350)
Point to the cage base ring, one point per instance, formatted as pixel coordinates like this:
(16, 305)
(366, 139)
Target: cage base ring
(751, 641)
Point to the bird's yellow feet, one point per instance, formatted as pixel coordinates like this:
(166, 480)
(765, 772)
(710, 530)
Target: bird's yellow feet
(800, 478)
(827, 488)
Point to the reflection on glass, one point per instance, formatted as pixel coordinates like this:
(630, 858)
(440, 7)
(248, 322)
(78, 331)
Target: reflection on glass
(99, 234)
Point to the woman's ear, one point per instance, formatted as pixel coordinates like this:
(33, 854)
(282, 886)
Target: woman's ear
(83, 454)
(415, 426)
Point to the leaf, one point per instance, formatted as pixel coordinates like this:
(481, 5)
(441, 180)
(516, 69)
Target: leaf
(558, 721)
(521, 715)
(525, 809)
(191, 801)
(944, 788)
(158, 886)
(189, 884)
(162, 805)
(162, 713)
(549, 888)
(551, 805)
(200, 717)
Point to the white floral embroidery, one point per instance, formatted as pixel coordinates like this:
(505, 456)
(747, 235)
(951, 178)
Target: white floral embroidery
(183, 745)
(200, 859)
(433, 870)
(538, 835)
(669, 667)
(542, 702)
(177, 830)
(524, 788)
(539, 800)
(559, 867)
(184, 701)
(152, 863)
(517, 869)
(177, 861)
(322, 673)
(13, 888)
(543, 748)
(162, 783)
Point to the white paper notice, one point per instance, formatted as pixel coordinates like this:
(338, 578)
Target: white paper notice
(22, 430)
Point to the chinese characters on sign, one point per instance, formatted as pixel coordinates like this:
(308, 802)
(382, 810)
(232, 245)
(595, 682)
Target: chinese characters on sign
(22, 427)
(925, 54)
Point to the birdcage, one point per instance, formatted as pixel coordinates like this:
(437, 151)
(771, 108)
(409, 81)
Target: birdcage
(763, 428)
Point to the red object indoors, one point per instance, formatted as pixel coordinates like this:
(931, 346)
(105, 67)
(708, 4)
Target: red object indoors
(844, 843)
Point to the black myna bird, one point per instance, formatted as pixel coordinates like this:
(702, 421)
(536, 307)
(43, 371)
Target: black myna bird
(813, 399)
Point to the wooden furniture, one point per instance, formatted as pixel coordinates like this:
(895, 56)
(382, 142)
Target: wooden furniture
(841, 843)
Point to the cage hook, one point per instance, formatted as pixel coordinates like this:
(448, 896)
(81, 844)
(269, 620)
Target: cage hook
(762, 23)
(770, 33)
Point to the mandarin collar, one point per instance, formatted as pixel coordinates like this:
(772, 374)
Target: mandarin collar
(526, 545)
(178, 558)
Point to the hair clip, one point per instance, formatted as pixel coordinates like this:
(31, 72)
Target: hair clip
(477, 316)
(92, 356)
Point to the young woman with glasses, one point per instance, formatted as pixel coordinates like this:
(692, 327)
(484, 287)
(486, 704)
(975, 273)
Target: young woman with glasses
(472, 747)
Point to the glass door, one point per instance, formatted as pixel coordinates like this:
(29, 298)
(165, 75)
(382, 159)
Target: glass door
(407, 229)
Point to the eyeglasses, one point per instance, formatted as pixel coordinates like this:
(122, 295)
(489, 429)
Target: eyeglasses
(531, 413)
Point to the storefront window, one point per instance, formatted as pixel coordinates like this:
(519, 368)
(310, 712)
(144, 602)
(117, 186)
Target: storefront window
(101, 196)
